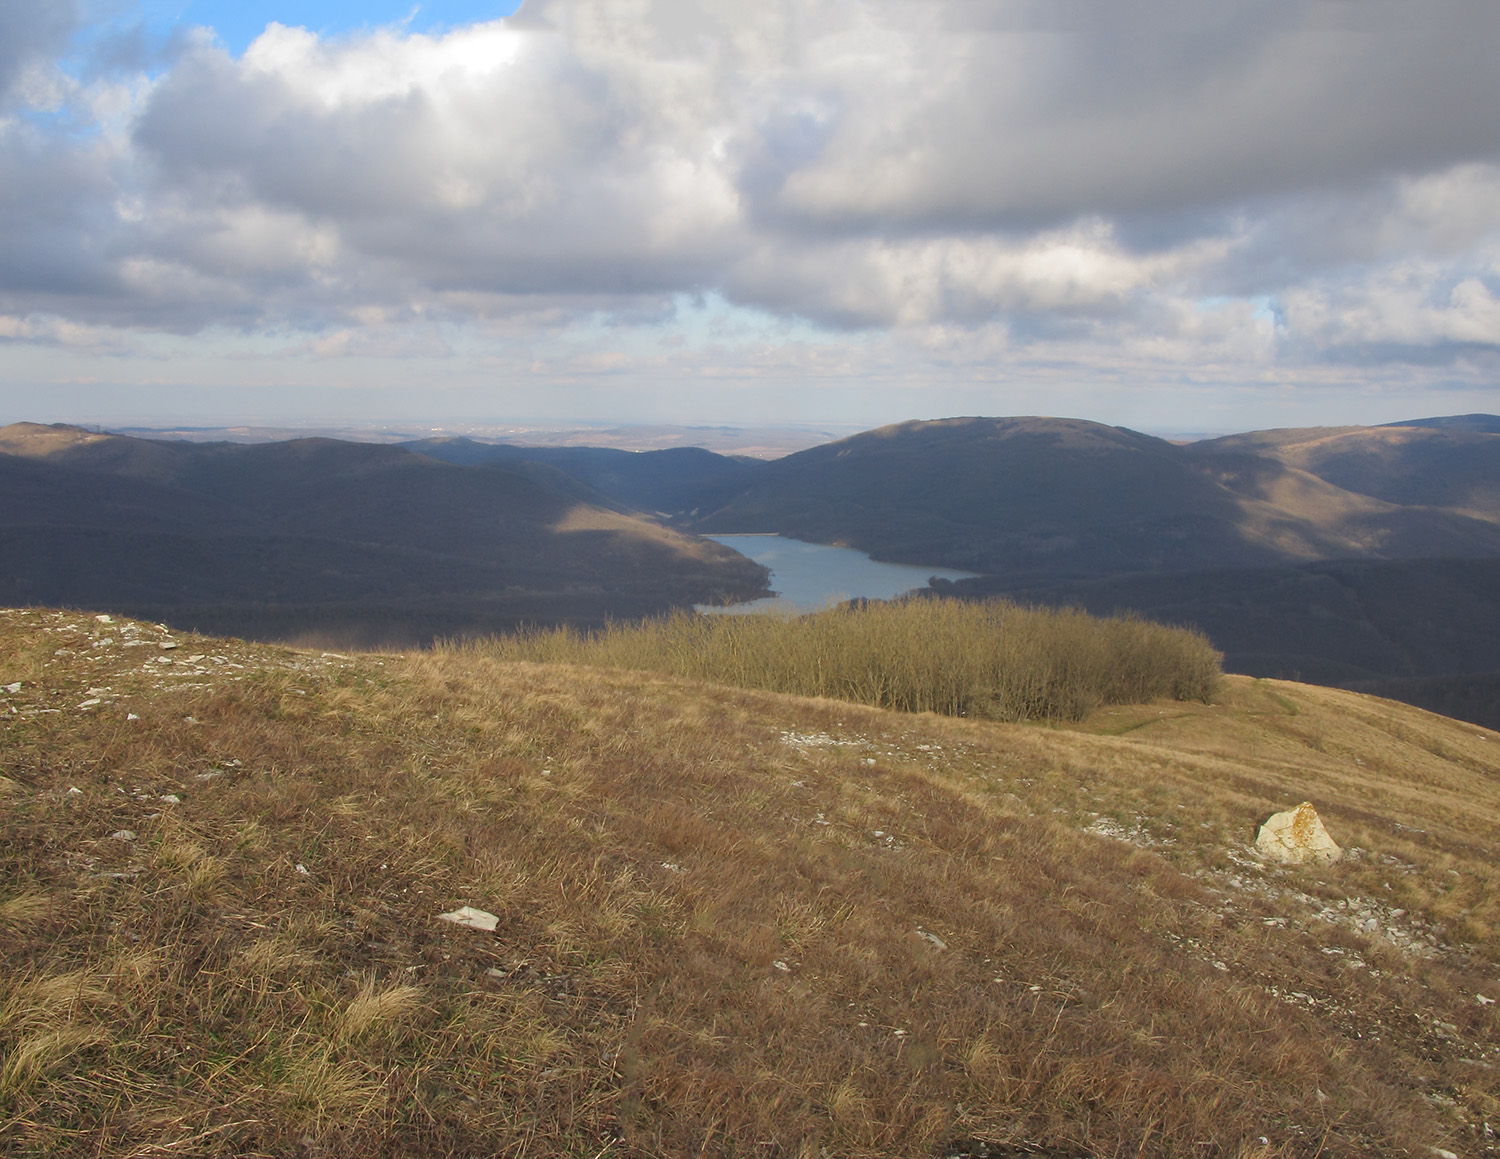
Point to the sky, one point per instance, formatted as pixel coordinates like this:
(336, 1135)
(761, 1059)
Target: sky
(1165, 214)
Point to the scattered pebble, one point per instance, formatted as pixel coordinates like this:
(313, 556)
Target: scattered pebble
(123, 835)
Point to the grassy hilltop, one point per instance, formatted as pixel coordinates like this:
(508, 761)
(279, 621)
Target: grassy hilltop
(729, 922)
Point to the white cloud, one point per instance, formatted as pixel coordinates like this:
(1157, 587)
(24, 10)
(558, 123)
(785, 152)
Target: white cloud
(1164, 182)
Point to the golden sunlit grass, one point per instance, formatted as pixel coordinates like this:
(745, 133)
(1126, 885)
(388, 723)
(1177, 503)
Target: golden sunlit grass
(729, 922)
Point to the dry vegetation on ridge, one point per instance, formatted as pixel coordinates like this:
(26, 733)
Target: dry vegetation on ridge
(992, 659)
(730, 922)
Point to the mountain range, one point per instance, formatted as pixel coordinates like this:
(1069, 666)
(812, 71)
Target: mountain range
(314, 537)
(1339, 554)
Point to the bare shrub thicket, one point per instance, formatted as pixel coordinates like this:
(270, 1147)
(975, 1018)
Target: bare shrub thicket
(995, 660)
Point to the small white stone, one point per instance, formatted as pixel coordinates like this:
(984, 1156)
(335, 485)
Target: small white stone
(303, 870)
(1483, 1001)
(1441, 1154)
(75, 791)
(474, 919)
(781, 965)
(167, 645)
(90, 702)
(171, 798)
(131, 716)
(16, 687)
(123, 835)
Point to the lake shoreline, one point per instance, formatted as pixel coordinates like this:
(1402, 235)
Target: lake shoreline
(806, 577)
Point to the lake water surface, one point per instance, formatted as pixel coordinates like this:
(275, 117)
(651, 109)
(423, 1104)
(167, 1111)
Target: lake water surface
(809, 576)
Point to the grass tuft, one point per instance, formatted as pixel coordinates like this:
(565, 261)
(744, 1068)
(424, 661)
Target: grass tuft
(377, 1006)
(24, 909)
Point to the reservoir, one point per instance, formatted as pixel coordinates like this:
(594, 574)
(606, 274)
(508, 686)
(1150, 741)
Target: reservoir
(809, 576)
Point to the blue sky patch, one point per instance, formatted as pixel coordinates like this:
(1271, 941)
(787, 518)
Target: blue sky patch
(237, 24)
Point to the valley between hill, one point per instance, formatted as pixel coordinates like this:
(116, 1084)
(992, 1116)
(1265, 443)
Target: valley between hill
(1357, 556)
(726, 922)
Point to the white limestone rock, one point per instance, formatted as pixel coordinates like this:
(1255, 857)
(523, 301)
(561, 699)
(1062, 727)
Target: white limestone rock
(1297, 837)
(475, 919)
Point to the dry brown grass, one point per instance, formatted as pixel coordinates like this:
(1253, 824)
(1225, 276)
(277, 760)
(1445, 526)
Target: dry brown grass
(993, 659)
(730, 922)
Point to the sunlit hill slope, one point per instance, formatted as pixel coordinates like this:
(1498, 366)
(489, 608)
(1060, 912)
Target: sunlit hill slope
(726, 922)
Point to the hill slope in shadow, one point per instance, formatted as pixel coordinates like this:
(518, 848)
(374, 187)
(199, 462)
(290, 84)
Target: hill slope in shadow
(279, 538)
(1037, 497)
(674, 480)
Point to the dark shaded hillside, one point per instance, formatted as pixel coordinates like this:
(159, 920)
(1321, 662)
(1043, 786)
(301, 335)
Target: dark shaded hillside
(1427, 631)
(44, 494)
(1475, 698)
(252, 537)
(679, 479)
(1050, 498)
(1014, 495)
